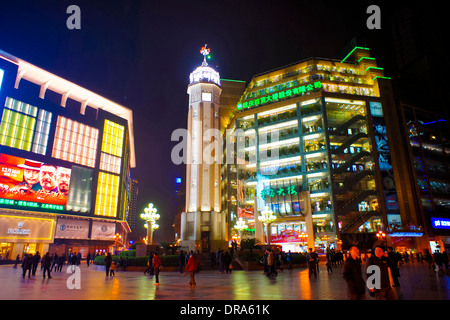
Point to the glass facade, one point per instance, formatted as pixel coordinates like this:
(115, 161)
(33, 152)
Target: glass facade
(112, 142)
(107, 195)
(75, 142)
(306, 153)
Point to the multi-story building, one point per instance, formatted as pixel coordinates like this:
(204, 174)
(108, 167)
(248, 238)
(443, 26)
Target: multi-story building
(132, 216)
(426, 135)
(65, 158)
(312, 147)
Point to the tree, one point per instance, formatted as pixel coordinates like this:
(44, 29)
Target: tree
(249, 243)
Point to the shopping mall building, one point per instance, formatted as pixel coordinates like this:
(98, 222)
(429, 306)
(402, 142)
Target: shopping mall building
(65, 159)
(319, 144)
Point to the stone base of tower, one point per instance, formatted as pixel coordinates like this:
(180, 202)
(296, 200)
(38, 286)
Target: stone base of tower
(203, 231)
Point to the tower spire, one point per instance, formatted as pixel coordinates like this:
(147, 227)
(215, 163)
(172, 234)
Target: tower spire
(205, 51)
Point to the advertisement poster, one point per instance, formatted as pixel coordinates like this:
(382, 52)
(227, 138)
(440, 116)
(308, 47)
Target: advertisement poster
(26, 228)
(103, 230)
(27, 181)
(72, 229)
(384, 157)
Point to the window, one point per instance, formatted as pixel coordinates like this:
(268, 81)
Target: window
(16, 130)
(110, 163)
(75, 142)
(206, 96)
(42, 132)
(79, 198)
(107, 195)
(113, 134)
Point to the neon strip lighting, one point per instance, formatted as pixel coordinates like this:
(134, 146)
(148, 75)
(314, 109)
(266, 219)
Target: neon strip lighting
(388, 78)
(233, 80)
(362, 48)
(377, 68)
(1, 77)
(366, 58)
(440, 120)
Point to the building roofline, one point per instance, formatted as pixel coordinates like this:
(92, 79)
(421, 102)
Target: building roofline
(67, 89)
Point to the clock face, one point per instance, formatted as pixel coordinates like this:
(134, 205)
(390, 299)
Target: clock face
(206, 96)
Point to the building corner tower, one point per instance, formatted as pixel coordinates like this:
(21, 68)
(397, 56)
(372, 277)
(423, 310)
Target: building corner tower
(203, 226)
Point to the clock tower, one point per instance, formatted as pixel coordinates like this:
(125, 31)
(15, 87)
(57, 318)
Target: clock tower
(203, 226)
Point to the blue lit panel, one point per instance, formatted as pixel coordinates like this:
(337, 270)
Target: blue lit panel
(440, 223)
(1, 77)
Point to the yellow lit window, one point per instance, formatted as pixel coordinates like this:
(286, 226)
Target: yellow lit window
(16, 130)
(107, 195)
(113, 134)
(75, 142)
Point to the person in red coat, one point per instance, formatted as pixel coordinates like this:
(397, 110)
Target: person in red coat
(156, 266)
(191, 267)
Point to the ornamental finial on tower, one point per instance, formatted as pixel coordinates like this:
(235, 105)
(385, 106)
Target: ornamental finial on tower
(205, 51)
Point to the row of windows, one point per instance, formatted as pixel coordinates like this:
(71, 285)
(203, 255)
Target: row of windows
(75, 142)
(25, 127)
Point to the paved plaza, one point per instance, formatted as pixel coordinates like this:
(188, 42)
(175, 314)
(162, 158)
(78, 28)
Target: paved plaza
(418, 282)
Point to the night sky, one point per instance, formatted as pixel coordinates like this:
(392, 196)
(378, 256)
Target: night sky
(140, 54)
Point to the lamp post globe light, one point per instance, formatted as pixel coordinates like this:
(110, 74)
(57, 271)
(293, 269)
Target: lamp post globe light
(150, 216)
(240, 226)
(267, 217)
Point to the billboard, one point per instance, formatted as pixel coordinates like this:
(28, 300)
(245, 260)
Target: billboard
(25, 182)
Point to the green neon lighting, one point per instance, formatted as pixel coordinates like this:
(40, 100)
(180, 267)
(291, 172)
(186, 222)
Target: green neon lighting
(366, 58)
(30, 204)
(362, 48)
(233, 80)
(285, 94)
(388, 78)
(378, 68)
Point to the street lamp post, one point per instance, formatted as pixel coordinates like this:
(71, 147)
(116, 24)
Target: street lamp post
(240, 226)
(150, 216)
(267, 217)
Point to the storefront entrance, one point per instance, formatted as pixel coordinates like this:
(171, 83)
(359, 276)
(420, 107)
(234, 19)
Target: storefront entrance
(6, 250)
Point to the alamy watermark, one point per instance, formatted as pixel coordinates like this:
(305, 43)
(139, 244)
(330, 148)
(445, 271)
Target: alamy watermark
(241, 147)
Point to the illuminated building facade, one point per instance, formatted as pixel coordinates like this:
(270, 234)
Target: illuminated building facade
(203, 226)
(65, 158)
(312, 146)
(427, 138)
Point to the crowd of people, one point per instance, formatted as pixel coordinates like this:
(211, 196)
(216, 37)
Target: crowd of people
(49, 262)
(358, 270)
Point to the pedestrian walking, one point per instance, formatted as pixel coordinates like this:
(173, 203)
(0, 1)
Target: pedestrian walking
(112, 269)
(289, 260)
(271, 264)
(181, 261)
(149, 264)
(395, 271)
(54, 262)
(429, 259)
(328, 264)
(88, 258)
(311, 259)
(47, 262)
(108, 261)
(221, 258)
(27, 265)
(157, 267)
(36, 260)
(73, 259)
(356, 286)
(61, 260)
(227, 262)
(191, 267)
(17, 261)
(437, 256)
(382, 261)
(212, 259)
